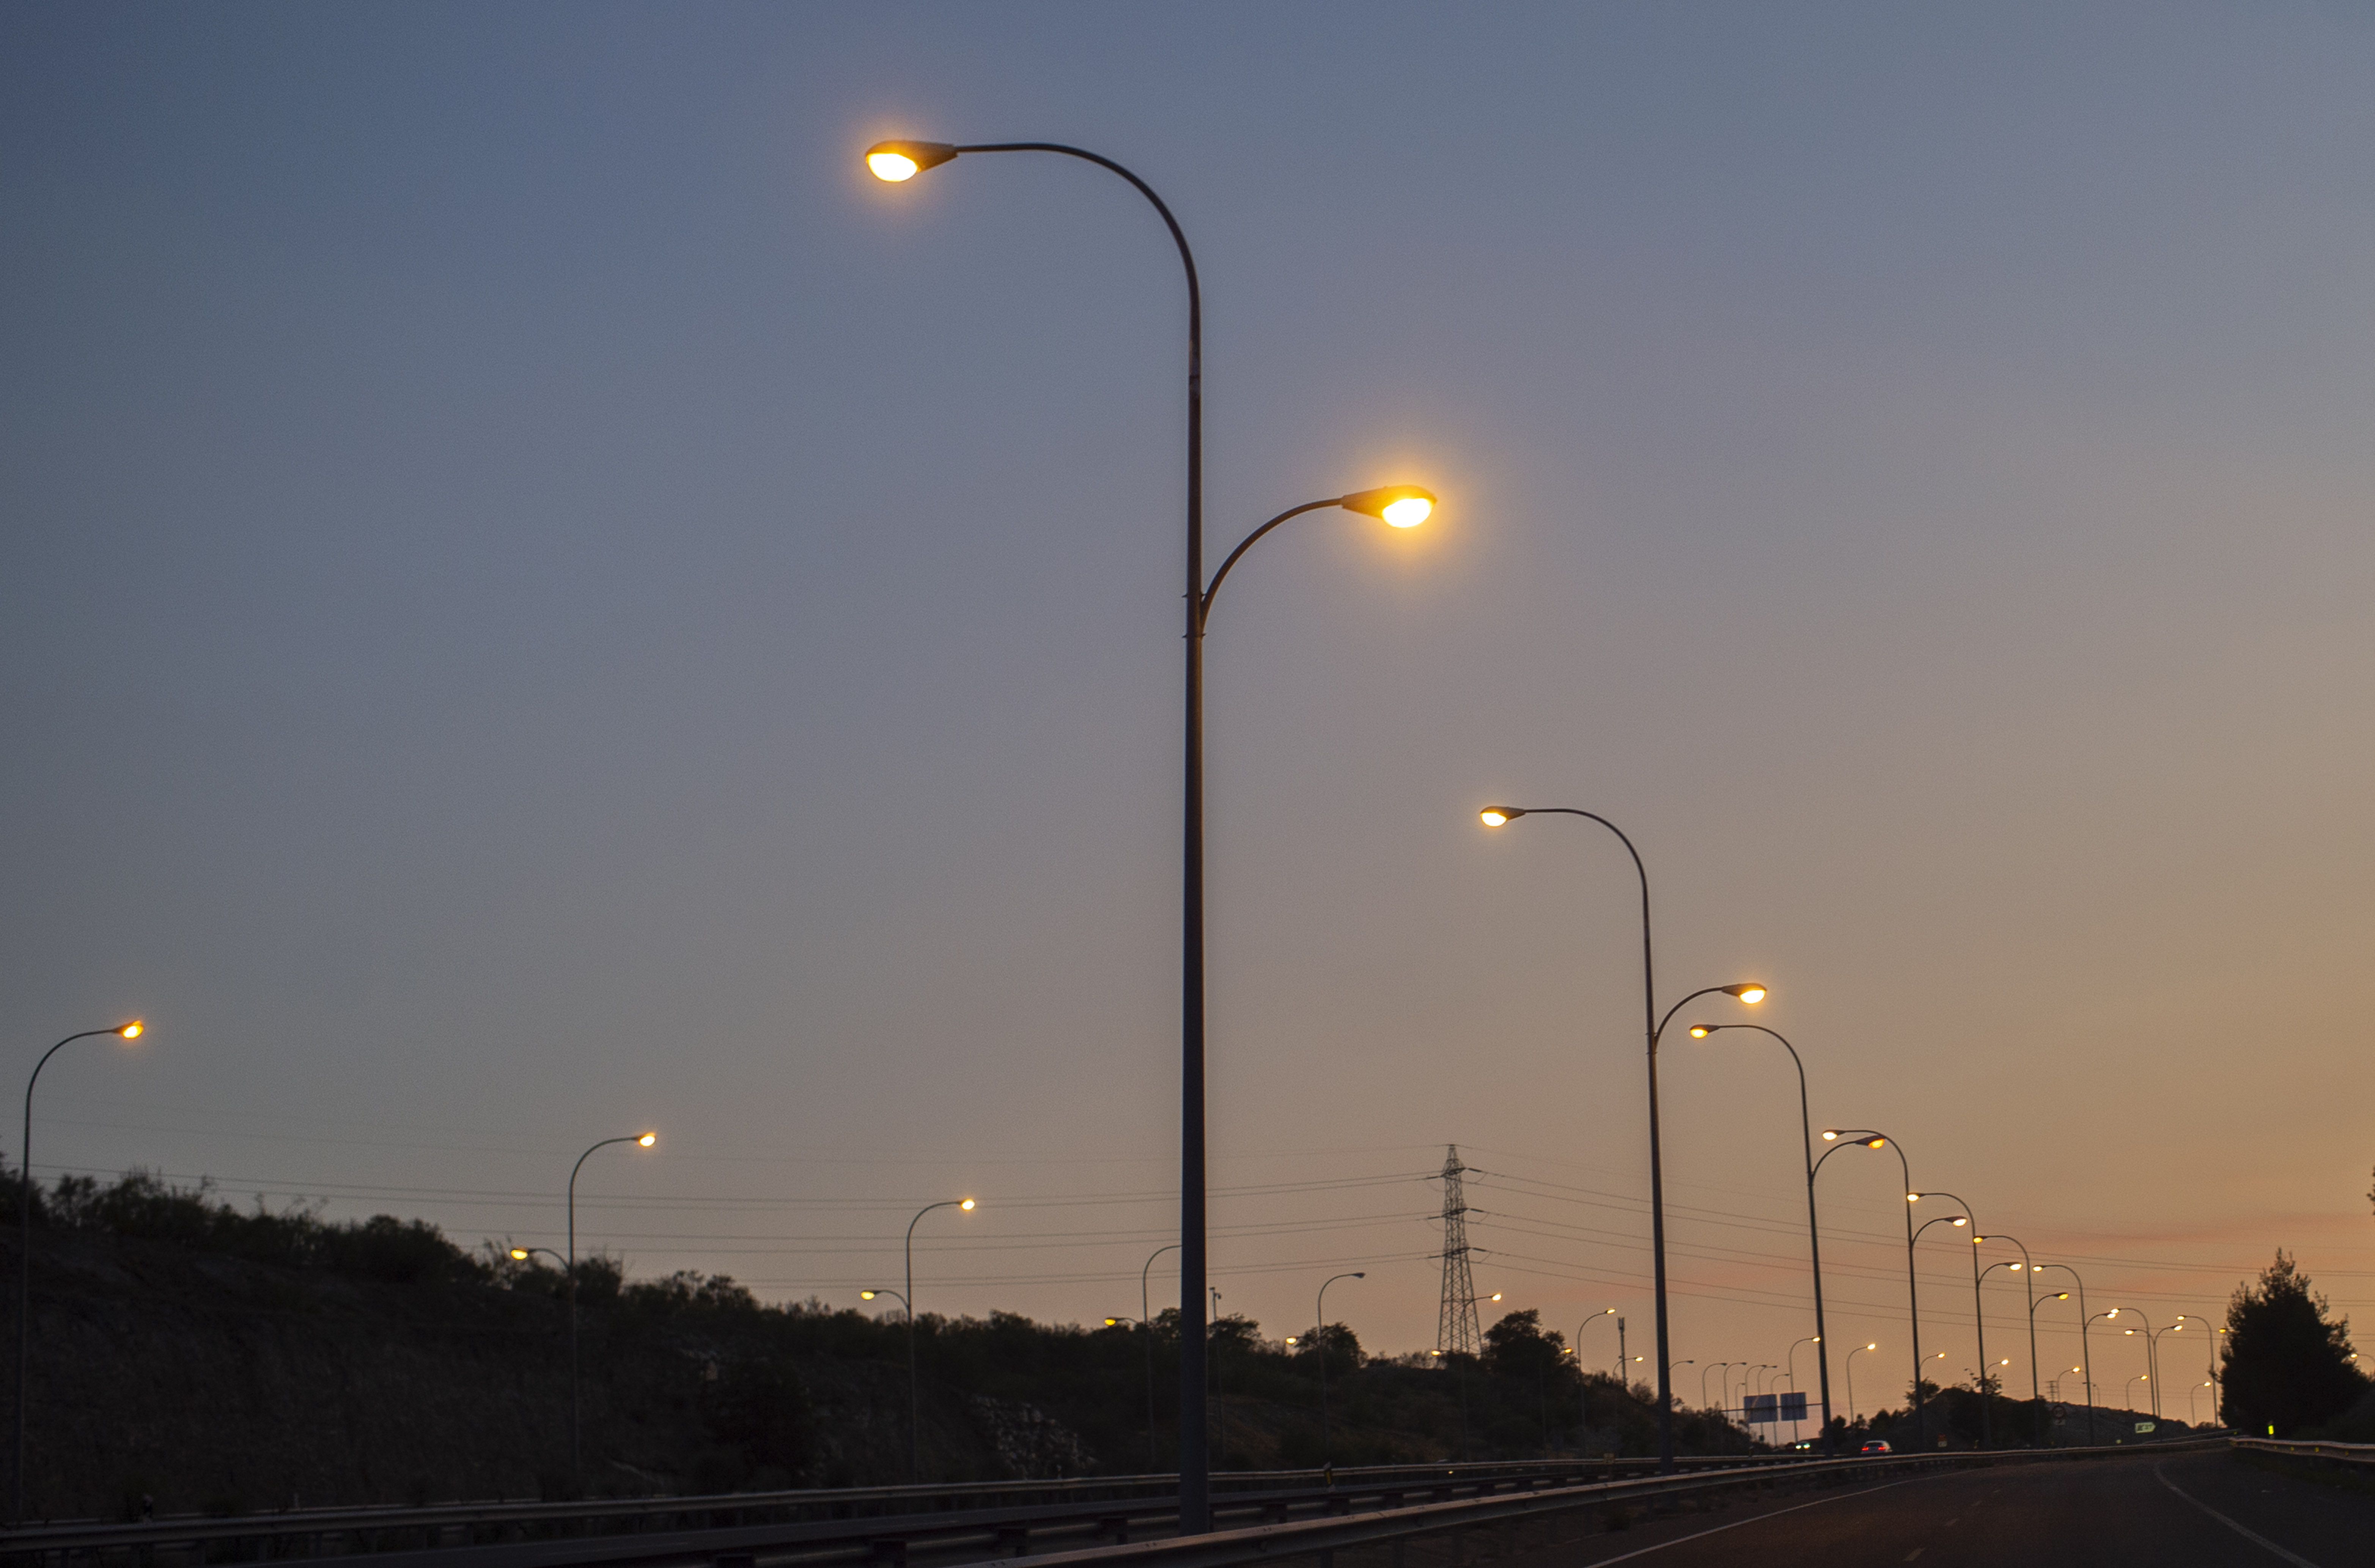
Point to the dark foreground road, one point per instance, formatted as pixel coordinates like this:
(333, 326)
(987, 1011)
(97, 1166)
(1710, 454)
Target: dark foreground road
(2175, 1510)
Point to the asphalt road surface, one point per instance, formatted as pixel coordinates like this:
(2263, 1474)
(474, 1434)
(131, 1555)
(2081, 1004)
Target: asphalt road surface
(2184, 1510)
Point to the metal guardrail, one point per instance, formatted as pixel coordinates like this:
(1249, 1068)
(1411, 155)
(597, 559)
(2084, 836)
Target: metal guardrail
(2339, 1452)
(451, 1527)
(1322, 1537)
(949, 1535)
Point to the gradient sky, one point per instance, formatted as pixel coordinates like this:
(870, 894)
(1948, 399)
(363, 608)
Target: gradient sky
(539, 600)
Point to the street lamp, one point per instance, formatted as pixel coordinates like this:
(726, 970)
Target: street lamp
(2085, 1361)
(1851, 1366)
(1583, 1388)
(1866, 1139)
(1814, 1231)
(132, 1030)
(1320, 1339)
(907, 1300)
(2033, 1305)
(1978, 1318)
(1711, 1366)
(1401, 507)
(1654, 1026)
(1792, 1359)
(2023, 1266)
(1146, 1321)
(2152, 1354)
(576, 1426)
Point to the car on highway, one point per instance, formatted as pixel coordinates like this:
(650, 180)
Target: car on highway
(1878, 1445)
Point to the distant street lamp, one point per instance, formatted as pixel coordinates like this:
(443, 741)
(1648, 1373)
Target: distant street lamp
(1748, 992)
(1792, 1359)
(1401, 507)
(1867, 1138)
(1146, 1321)
(1711, 1366)
(1319, 1342)
(1813, 1231)
(1978, 1318)
(1583, 1386)
(132, 1030)
(2085, 1361)
(908, 1303)
(576, 1427)
(2058, 1296)
(1851, 1366)
(2023, 1267)
(2151, 1352)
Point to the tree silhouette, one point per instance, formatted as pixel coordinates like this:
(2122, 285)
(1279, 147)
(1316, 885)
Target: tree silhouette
(2286, 1365)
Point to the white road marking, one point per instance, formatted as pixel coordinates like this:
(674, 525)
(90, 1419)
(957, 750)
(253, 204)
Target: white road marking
(1842, 1497)
(1914, 1553)
(2295, 1557)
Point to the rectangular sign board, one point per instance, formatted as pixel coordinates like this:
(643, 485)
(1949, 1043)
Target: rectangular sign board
(1759, 1407)
(1794, 1406)
(2144, 1426)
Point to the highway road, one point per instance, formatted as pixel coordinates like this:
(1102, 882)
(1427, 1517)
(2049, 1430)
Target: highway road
(2185, 1510)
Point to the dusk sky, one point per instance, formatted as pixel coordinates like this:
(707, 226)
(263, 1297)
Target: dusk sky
(539, 601)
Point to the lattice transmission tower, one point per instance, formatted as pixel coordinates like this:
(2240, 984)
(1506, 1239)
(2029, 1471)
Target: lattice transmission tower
(1457, 1331)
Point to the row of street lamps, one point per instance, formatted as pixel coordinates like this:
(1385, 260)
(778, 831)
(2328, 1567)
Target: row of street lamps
(897, 162)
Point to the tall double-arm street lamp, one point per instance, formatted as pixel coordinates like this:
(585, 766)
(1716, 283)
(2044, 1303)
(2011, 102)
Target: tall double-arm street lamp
(1814, 1231)
(576, 1422)
(896, 161)
(1319, 1338)
(132, 1030)
(1654, 1026)
(1867, 1138)
(1978, 1318)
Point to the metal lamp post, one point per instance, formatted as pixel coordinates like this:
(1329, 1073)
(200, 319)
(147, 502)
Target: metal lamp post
(1963, 1222)
(576, 1422)
(1978, 1319)
(1583, 1388)
(132, 1030)
(1500, 816)
(2024, 1265)
(1851, 1366)
(1813, 1231)
(1146, 1321)
(896, 161)
(2085, 1361)
(1792, 1360)
(907, 1300)
(1867, 1138)
(1319, 1342)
